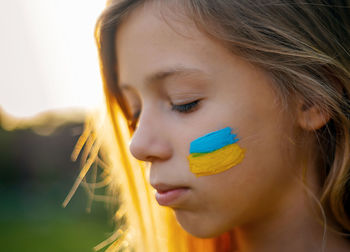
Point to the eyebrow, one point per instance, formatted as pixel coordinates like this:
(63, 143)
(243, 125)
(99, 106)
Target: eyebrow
(162, 75)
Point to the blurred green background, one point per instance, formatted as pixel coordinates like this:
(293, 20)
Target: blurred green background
(36, 175)
(49, 65)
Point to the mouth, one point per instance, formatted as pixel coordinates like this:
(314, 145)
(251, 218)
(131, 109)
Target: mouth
(168, 195)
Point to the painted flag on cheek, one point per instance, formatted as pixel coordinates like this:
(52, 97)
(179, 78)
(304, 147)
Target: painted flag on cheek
(215, 152)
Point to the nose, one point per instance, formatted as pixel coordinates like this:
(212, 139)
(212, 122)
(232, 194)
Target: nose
(150, 140)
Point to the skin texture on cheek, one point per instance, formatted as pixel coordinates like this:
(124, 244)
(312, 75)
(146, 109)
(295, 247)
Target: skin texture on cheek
(214, 153)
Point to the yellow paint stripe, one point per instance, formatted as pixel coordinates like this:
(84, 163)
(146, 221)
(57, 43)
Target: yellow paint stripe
(216, 161)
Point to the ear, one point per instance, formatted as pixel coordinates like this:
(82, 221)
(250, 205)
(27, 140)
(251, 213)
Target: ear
(311, 116)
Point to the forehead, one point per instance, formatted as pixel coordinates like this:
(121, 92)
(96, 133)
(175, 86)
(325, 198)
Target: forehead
(148, 41)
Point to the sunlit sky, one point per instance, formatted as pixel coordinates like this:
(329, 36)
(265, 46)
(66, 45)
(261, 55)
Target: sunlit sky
(48, 58)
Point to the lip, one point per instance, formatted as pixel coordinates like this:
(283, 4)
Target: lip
(168, 195)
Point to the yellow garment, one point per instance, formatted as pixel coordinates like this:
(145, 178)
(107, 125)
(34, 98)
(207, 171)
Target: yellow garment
(202, 164)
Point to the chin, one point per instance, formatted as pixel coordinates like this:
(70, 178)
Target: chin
(198, 226)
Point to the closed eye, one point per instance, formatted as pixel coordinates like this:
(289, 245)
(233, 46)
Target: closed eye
(181, 108)
(185, 108)
(134, 119)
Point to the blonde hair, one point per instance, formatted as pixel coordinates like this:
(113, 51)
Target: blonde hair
(303, 45)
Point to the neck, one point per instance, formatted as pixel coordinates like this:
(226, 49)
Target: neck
(298, 226)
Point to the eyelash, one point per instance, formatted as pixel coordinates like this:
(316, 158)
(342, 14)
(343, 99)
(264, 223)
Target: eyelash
(185, 108)
(181, 108)
(134, 119)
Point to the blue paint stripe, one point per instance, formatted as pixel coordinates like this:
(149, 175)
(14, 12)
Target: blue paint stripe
(213, 141)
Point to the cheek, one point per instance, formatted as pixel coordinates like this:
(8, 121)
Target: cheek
(252, 188)
(257, 186)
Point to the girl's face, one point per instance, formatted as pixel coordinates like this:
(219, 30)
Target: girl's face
(186, 85)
